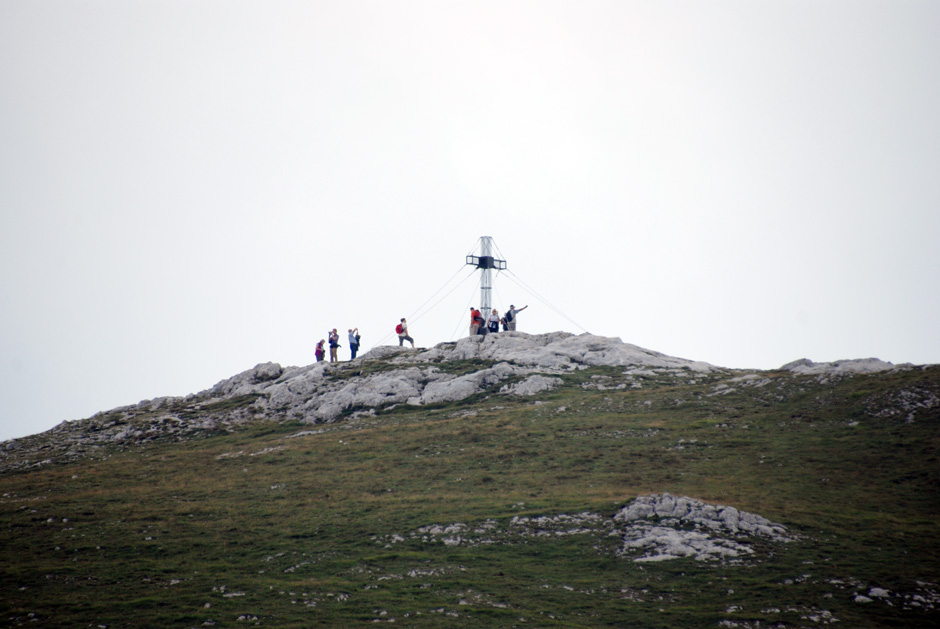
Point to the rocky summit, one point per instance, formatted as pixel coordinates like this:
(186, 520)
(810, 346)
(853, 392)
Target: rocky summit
(510, 363)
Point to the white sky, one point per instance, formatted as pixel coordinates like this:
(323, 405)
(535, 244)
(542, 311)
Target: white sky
(190, 188)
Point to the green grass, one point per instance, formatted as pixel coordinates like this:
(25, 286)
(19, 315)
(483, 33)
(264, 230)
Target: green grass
(293, 531)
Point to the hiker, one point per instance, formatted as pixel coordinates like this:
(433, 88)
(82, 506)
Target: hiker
(476, 320)
(511, 316)
(505, 324)
(334, 346)
(492, 322)
(353, 342)
(402, 330)
(320, 351)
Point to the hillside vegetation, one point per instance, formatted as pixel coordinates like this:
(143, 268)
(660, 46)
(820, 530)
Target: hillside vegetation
(552, 481)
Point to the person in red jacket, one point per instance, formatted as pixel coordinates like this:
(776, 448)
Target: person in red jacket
(476, 320)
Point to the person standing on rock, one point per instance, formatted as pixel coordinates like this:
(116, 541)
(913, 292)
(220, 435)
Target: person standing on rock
(402, 329)
(334, 346)
(476, 320)
(320, 351)
(353, 342)
(511, 316)
(492, 322)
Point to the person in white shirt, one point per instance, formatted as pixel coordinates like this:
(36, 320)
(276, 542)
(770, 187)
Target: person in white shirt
(353, 342)
(492, 322)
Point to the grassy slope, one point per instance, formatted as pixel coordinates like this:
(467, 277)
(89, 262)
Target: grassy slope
(289, 531)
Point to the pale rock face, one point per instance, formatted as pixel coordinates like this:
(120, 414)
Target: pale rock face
(666, 543)
(380, 390)
(248, 381)
(446, 391)
(295, 383)
(462, 387)
(839, 367)
(555, 350)
(665, 506)
(532, 385)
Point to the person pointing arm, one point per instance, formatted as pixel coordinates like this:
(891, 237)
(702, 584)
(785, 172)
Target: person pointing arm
(511, 315)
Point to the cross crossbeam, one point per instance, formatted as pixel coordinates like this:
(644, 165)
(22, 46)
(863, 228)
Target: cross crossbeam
(486, 263)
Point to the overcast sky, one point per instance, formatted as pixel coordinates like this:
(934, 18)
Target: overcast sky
(188, 188)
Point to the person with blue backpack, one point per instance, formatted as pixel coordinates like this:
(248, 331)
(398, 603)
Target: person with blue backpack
(511, 316)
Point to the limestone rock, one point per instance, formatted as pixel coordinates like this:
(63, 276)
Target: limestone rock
(840, 367)
(666, 543)
(652, 528)
(556, 350)
(659, 525)
(689, 510)
(532, 385)
(246, 381)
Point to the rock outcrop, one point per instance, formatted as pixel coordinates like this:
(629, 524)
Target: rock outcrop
(557, 350)
(662, 527)
(657, 527)
(805, 366)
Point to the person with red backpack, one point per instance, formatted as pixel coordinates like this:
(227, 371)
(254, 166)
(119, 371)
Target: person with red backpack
(402, 330)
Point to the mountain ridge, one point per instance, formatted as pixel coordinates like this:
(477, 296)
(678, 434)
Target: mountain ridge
(270, 391)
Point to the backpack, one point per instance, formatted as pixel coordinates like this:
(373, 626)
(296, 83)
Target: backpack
(399, 329)
(509, 315)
